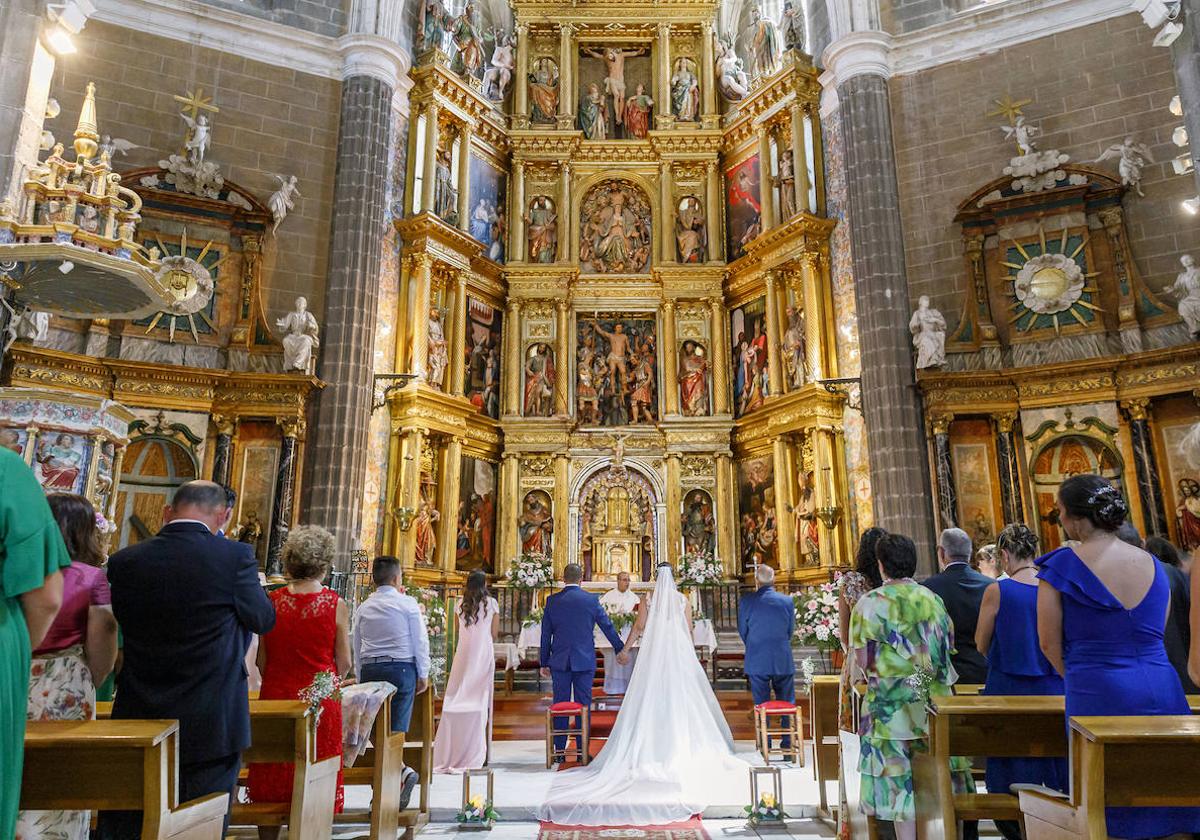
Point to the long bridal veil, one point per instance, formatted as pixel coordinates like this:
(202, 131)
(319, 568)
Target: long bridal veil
(669, 738)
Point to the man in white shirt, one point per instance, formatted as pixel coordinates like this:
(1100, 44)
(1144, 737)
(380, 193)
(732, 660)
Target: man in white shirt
(619, 600)
(391, 645)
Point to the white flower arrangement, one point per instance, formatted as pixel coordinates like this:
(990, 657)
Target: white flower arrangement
(698, 569)
(767, 809)
(817, 616)
(432, 608)
(530, 571)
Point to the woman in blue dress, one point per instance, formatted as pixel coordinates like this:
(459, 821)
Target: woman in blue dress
(1007, 634)
(1102, 607)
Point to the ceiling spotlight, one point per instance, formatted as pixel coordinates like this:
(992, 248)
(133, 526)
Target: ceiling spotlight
(53, 109)
(1168, 34)
(72, 15)
(59, 41)
(47, 142)
(1176, 107)
(1182, 164)
(67, 266)
(1192, 205)
(1156, 12)
(1180, 136)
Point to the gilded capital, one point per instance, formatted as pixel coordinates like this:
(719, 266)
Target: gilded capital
(939, 424)
(1005, 421)
(293, 427)
(562, 304)
(1138, 409)
(225, 424)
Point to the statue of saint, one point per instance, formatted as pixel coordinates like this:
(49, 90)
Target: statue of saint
(1187, 288)
(928, 328)
(300, 337)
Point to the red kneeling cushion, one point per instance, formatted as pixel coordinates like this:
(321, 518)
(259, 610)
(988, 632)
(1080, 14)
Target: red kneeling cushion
(777, 706)
(567, 706)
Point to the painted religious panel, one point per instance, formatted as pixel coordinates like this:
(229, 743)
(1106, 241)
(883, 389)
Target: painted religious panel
(757, 529)
(748, 330)
(256, 496)
(699, 523)
(489, 198)
(614, 101)
(614, 229)
(61, 460)
(536, 526)
(743, 206)
(476, 541)
(616, 370)
(693, 379)
(1183, 490)
(538, 398)
(974, 479)
(481, 384)
(14, 438)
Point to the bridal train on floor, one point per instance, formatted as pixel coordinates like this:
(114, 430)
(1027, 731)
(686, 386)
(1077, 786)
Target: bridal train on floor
(669, 738)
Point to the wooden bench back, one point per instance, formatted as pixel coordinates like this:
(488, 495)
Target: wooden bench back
(1003, 727)
(1135, 761)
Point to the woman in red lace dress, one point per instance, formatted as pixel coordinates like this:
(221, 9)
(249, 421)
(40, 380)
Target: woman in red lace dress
(311, 635)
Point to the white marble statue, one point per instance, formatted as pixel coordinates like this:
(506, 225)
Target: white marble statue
(28, 325)
(498, 77)
(928, 328)
(1187, 288)
(112, 146)
(283, 199)
(1132, 157)
(1023, 133)
(198, 137)
(731, 73)
(299, 337)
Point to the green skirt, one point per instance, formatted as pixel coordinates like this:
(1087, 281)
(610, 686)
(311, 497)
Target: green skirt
(887, 777)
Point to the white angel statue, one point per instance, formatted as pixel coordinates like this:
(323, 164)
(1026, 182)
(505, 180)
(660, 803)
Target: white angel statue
(112, 146)
(498, 77)
(731, 73)
(1131, 157)
(198, 138)
(282, 200)
(1023, 133)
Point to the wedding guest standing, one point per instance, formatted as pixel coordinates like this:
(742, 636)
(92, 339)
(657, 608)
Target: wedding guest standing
(1177, 636)
(187, 602)
(77, 653)
(32, 556)
(1007, 635)
(462, 736)
(961, 589)
(1102, 608)
(311, 636)
(766, 622)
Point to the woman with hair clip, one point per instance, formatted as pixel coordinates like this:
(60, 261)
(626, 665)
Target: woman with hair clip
(1102, 607)
(462, 737)
(1007, 635)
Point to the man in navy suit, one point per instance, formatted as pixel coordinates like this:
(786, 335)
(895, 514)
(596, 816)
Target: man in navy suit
(187, 602)
(961, 589)
(568, 653)
(766, 622)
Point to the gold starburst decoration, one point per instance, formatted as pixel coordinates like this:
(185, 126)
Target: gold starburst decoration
(1052, 284)
(190, 281)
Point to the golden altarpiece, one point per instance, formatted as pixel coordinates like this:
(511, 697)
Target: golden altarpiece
(615, 308)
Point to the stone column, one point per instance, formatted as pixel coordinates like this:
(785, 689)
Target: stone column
(565, 235)
(670, 352)
(521, 79)
(766, 178)
(1145, 464)
(422, 277)
(429, 164)
(1186, 54)
(860, 65)
(785, 502)
(340, 447)
(708, 85)
(567, 55)
(285, 484)
(716, 235)
(943, 467)
(774, 351)
(516, 246)
(511, 376)
(458, 336)
(562, 356)
(727, 516)
(510, 485)
(223, 450)
(674, 506)
(562, 512)
(1010, 475)
(666, 214)
(718, 355)
(662, 99)
(464, 178)
(799, 157)
(447, 503)
(813, 297)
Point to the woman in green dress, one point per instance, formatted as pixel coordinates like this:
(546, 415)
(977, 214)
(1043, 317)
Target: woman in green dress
(31, 556)
(901, 639)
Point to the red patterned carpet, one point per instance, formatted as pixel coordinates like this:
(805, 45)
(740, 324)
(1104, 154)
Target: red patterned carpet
(690, 830)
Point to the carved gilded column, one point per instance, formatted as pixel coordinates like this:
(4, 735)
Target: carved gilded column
(516, 247)
(567, 55)
(562, 355)
(285, 485)
(223, 450)
(512, 364)
(718, 355)
(447, 502)
(429, 170)
(800, 158)
(716, 236)
(521, 81)
(727, 516)
(409, 493)
(422, 276)
(1154, 510)
(813, 297)
(943, 468)
(670, 353)
(768, 182)
(708, 85)
(400, 360)
(458, 335)
(774, 352)
(562, 512)
(674, 505)
(510, 483)
(392, 491)
(566, 238)
(666, 227)
(1009, 469)
(464, 175)
(662, 99)
(785, 502)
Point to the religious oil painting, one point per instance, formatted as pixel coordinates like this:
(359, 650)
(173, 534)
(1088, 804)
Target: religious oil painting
(536, 525)
(13, 438)
(256, 498)
(699, 523)
(758, 531)
(616, 370)
(748, 332)
(614, 229)
(974, 480)
(475, 546)
(539, 381)
(743, 206)
(614, 98)
(1182, 486)
(489, 202)
(60, 461)
(481, 384)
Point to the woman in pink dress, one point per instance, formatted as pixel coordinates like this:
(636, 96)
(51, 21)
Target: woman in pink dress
(462, 737)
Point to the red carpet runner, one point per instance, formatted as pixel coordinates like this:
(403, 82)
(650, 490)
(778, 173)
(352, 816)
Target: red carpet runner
(690, 830)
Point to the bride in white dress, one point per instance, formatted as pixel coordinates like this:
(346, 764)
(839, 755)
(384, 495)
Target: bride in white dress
(669, 740)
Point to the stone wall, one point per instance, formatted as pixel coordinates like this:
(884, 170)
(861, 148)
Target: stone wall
(900, 16)
(1090, 87)
(272, 120)
(324, 17)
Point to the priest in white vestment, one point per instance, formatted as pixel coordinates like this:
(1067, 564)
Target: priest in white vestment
(619, 600)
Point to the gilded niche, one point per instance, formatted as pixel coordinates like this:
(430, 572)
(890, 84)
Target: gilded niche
(614, 229)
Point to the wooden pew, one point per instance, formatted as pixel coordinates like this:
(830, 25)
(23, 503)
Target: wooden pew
(1117, 761)
(381, 766)
(117, 765)
(825, 695)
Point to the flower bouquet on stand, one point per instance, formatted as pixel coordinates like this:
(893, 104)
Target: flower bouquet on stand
(766, 810)
(477, 813)
(700, 571)
(530, 571)
(817, 622)
(433, 608)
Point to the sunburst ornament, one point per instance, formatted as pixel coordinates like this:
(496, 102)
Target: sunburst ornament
(191, 284)
(1051, 284)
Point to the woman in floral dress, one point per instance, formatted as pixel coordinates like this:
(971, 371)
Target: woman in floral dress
(852, 586)
(901, 639)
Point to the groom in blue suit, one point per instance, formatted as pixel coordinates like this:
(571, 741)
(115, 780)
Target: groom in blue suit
(568, 654)
(766, 622)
